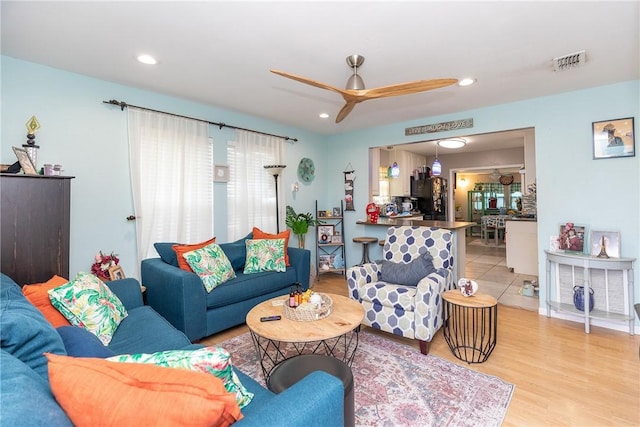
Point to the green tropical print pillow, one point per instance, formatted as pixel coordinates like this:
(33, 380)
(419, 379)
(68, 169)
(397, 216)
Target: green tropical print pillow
(87, 302)
(212, 360)
(265, 255)
(211, 265)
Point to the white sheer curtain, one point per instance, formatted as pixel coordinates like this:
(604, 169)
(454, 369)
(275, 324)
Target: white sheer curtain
(251, 189)
(171, 162)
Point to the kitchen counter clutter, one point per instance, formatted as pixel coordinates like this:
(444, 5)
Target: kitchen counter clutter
(389, 221)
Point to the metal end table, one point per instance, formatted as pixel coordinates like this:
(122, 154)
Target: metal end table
(470, 326)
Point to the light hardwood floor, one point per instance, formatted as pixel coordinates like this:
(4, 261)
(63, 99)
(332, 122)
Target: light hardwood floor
(563, 377)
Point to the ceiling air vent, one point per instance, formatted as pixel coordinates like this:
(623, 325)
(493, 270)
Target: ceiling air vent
(567, 62)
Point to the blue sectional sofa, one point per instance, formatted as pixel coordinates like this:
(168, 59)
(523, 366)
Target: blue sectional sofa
(181, 298)
(26, 397)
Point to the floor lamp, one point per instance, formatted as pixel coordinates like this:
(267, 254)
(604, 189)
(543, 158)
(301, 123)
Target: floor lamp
(275, 170)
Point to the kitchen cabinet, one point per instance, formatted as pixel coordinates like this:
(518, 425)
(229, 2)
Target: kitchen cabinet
(374, 172)
(522, 246)
(35, 226)
(610, 278)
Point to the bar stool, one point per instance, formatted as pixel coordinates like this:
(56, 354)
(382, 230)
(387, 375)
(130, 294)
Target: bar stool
(365, 247)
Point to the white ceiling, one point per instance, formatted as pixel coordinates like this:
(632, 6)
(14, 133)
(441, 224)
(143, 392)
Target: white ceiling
(219, 53)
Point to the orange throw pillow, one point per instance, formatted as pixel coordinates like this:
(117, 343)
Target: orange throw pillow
(259, 234)
(180, 250)
(99, 392)
(37, 294)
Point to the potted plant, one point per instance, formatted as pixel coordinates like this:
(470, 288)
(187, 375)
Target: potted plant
(299, 223)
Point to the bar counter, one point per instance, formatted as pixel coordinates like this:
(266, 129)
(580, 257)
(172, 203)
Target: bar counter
(379, 230)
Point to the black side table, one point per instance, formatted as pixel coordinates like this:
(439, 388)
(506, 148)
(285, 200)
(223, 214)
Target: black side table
(470, 325)
(293, 370)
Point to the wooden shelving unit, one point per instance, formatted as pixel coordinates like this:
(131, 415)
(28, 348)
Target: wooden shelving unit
(328, 247)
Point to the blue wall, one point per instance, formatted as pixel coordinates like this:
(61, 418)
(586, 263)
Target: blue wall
(89, 139)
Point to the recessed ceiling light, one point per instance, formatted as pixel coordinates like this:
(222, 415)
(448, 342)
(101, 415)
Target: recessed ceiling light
(147, 59)
(468, 81)
(452, 143)
(324, 115)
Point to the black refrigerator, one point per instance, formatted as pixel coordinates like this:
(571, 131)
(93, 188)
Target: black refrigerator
(430, 195)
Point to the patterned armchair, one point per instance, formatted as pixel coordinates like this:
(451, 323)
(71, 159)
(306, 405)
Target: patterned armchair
(410, 311)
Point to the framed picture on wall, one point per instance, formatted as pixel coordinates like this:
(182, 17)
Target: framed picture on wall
(605, 244)
(220, 173)
(613, 138)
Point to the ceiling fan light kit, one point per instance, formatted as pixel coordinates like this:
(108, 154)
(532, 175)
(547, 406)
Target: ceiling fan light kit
(356, 93)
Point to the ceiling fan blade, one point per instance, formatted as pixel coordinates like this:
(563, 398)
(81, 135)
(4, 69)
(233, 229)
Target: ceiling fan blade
(308, 81)
(406, 88)
(345, 110)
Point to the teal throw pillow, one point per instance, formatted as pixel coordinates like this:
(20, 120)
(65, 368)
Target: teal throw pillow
(87, 302)
(265, 255)
(211, 360)
(81, 343)
(24, 333)
(166, 252)
(407, 274)
(211, 265)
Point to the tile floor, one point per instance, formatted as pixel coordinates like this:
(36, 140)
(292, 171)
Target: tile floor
(486, 264)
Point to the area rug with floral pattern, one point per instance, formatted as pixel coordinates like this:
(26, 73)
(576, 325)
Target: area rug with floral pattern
(396, 385)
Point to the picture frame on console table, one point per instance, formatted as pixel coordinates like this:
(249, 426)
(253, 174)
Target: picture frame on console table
(572, 238)
(607, 241)
(613, 138)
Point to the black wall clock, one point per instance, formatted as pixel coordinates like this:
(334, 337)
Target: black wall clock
(306, 170)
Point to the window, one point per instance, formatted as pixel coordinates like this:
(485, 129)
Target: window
(251, 189)
(172, 179)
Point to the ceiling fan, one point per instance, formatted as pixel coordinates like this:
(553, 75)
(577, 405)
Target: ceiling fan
(355, 91)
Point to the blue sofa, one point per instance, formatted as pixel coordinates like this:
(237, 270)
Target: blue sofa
(26, 397)
(180, 297)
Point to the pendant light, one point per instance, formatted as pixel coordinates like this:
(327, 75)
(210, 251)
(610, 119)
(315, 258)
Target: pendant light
(436, 169)
(395, 170)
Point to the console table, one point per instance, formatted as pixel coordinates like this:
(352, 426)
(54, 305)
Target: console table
(610, 278)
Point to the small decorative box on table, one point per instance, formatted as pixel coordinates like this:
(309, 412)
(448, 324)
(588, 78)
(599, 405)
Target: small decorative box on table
(308, 311)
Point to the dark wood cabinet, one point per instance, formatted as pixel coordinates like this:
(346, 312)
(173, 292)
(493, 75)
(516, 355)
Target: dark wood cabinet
(35, 222)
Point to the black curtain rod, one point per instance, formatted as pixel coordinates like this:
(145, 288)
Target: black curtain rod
(123, 105)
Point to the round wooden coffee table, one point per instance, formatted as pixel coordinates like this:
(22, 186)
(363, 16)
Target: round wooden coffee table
(470, 326)
(336, 335)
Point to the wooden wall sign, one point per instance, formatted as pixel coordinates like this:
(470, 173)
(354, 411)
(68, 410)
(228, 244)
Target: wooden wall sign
(439, 127)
